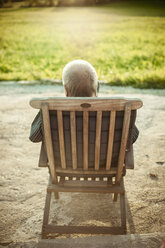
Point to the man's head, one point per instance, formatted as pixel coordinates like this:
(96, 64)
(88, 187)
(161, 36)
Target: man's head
(80, 79)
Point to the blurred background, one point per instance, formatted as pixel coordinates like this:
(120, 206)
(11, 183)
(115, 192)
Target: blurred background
(123, 40)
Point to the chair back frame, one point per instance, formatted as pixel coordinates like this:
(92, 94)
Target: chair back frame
(85, 105)
(57, 185)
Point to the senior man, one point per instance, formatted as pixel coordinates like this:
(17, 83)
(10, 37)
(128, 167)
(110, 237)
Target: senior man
(79, 80)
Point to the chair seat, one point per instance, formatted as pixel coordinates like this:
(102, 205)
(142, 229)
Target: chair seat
(86, 186)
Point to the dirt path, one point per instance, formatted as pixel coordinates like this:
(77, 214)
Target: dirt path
(23, 184)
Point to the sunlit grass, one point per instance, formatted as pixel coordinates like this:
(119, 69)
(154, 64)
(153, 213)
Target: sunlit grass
(125, 43)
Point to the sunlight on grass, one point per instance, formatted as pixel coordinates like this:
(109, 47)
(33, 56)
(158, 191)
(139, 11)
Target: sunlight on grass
(125, 49)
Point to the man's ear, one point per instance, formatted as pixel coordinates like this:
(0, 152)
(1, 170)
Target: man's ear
(66, 90)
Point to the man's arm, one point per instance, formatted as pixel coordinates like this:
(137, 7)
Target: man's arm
(135, 134)
(133, 131)
(36, 133)
(43, 159)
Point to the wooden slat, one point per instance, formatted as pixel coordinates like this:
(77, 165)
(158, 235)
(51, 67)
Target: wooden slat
(124, 137)
(48, 141)
(85, 189)
(85, 183)
(61, 138)
(73, 139)
(94, 103)
(110, 139)
(84, 229)
(80, 172)
(98, 139)
(85, 140)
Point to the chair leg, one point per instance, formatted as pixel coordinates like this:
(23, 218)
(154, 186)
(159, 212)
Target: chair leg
(46, 213)
(56, 195)
(115, 197)
(123, 212)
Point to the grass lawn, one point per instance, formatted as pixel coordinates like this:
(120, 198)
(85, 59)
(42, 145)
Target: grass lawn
(125, 42)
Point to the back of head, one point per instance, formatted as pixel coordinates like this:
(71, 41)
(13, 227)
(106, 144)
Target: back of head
(80, 79)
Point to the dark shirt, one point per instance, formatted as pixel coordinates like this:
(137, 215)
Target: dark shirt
(36, 132)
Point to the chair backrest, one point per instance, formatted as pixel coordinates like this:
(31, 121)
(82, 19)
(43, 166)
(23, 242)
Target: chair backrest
(84, 136)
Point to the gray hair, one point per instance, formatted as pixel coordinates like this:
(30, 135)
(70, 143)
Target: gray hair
(80, 78)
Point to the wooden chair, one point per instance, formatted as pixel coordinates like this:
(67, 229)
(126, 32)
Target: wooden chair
(63, 172)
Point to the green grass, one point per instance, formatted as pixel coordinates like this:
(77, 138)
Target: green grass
(123, 41)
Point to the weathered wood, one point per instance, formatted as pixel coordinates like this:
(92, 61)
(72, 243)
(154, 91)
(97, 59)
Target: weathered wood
(84, 229)
(86, 180)
(96, 103)
(98, 139)
(89, 184)
(48, 141)
(85, 189)
(56, 195)
(124, 138)
(46, 210)
(61, 138)
(73, 139)
(115, 197)
(79, 171)
(85, 140)
(110, 139)
(123, 145)
(123, 208)
(150, 240)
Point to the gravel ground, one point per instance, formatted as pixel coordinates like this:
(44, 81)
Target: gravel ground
(23, 184)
